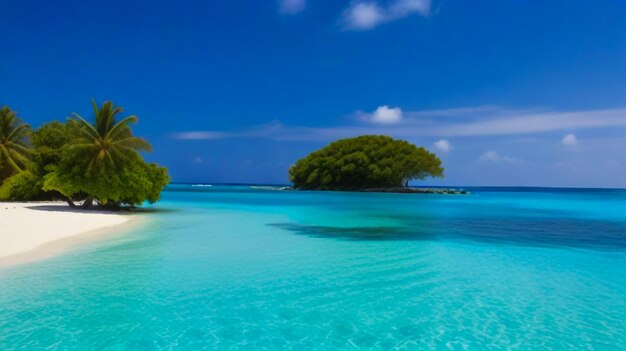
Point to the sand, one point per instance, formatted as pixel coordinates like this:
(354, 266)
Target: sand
(28, 230)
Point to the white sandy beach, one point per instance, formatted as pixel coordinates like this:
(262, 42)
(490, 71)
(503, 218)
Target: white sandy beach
(27, 227)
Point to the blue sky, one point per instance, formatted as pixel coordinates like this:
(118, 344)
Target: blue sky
(505, 92)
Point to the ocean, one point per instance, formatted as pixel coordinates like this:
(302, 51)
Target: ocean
(257, 268)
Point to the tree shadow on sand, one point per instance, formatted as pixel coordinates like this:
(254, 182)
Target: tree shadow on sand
(97, 210)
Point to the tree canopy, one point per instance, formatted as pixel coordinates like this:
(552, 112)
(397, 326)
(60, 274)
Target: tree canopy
(369, 161)
(98, 161)
(14, 147)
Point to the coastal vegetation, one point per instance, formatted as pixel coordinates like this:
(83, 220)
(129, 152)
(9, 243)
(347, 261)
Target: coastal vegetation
(78, 161)
(14, 149)
(364, 162)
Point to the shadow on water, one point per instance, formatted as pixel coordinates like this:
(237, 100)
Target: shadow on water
(353, 233)
(565, 233)
(502, 216)
(542, 232)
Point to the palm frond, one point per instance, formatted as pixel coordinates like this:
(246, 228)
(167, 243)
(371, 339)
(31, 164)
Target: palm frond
(88, 128)
(19, 147)
(121, 126)
(134, 143)
(8, 159)
(91, 166)
(17, 157)
(94, 106)
(108, 141)
(18, 132)
(84, 146)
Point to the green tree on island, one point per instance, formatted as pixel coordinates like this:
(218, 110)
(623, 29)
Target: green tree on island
(14, 146)
(369, 161)
(81, 161)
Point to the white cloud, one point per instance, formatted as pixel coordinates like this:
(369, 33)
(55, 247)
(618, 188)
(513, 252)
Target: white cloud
(491, 156)
(535, 122)
(443, 145)
(402, 8)
(269, 130)
(383, 115)
(569, 140)
(291, 7)
(361, 16)
(495, 157)
(364, 15)
(201, 135)
(455, 122)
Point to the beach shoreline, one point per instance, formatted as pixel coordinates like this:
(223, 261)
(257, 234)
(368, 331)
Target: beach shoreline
(32, 231)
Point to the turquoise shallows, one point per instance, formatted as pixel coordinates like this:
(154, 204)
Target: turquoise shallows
(254, 268)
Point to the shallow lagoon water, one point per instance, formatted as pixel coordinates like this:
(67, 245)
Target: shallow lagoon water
(236, 267)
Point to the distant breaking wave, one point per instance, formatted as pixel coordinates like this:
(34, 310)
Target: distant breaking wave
(268, 187)
(264, 187)
(202, 185)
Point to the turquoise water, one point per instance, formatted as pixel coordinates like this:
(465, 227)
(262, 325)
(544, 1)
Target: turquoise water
(233, 268)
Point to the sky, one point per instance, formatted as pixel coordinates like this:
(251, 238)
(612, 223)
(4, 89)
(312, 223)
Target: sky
(506, 93)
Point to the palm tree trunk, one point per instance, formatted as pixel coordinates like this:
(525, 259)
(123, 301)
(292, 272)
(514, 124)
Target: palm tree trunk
(69, 202)
(88, 202)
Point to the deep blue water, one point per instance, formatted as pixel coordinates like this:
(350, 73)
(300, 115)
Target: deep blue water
(240, 267)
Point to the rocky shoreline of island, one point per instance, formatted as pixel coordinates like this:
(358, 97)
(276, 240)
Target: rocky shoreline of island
(397, 190)
(402, 190)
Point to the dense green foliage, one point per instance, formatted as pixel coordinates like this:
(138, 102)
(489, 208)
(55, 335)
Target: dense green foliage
(47, 143)
(78, 160)
(14, 148)
(369, 161)
(23, 186)
(125, 180)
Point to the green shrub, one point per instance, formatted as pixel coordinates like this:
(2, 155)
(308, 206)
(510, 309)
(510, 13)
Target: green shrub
(24, 186)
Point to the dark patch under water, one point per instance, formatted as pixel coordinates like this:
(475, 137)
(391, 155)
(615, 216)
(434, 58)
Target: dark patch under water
(517, 231)
(352, 233)
(544, 232)
(576, 218)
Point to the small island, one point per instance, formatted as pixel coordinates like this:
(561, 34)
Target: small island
(368, 163)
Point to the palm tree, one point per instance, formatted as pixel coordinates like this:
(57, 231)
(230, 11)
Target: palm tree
(14, 147)
(107, 139)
